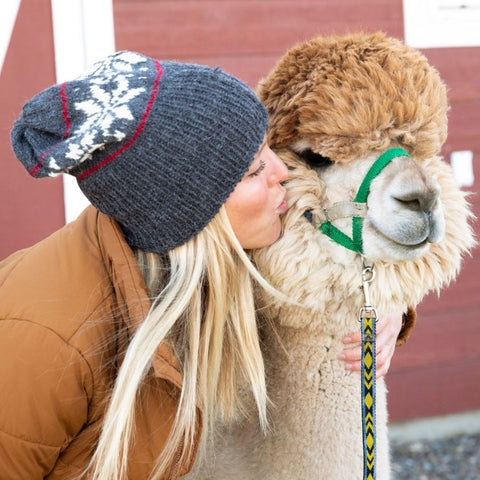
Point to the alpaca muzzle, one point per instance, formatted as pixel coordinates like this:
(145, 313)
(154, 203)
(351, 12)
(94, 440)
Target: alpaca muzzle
(356, 209)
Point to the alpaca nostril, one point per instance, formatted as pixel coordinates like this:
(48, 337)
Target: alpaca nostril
(424, 201)
(413, 204)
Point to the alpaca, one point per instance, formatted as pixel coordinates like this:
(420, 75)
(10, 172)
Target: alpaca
(336, 104)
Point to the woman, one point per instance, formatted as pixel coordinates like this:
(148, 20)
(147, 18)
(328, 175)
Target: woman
(125, 334)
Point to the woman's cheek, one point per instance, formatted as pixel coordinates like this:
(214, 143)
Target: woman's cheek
(258, 198)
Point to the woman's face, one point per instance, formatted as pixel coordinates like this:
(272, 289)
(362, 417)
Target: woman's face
(255, 206)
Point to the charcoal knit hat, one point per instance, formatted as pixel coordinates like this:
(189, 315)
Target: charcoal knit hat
(158, 146)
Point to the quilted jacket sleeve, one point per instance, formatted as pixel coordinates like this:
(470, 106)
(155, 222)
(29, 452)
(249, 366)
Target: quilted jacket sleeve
(44, 388)
(409, 321)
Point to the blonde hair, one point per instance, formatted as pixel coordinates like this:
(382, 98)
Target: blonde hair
(204, 307)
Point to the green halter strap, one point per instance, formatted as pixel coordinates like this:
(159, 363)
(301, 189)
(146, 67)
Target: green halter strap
(355, 243)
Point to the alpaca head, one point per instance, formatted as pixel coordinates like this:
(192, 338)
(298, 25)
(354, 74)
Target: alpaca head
(336, 105)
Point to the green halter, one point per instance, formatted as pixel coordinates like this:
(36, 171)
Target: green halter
(355, 243)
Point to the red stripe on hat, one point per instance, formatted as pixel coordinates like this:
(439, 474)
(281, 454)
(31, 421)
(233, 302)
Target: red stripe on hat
(137, 131)
(39, 165)
(68, 124)
(35, 169)
(63, 95)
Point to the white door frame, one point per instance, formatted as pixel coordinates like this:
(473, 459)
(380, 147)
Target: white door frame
(8, 15)
(83, 32)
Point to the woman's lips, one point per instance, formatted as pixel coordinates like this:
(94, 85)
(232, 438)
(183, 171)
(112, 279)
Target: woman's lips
(282, 208)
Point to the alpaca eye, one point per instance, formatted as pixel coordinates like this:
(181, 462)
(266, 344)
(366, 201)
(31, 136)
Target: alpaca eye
(315, 160)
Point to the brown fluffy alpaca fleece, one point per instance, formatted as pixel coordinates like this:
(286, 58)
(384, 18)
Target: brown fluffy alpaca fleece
(348, 99)
(347, 96)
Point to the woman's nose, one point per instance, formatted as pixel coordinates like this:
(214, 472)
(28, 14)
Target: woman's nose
(279, 171)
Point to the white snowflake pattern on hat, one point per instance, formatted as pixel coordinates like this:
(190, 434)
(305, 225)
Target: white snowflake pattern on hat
(105, 106)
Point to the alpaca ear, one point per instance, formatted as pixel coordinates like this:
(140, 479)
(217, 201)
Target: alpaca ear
(282, 97)
(283, 121)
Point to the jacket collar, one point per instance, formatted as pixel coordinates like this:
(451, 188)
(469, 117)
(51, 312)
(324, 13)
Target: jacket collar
(130, 289)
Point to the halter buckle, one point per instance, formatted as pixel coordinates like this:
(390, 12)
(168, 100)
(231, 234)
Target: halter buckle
(368, 275)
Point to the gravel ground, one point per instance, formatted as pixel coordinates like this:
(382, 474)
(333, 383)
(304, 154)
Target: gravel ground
(453, 458)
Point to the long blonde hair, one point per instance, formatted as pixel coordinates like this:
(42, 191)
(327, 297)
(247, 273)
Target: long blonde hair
(204, 307)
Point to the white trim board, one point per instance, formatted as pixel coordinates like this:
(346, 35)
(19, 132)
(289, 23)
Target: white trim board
(83, 33)
(8, 16)
(433, 428)
(441, 23)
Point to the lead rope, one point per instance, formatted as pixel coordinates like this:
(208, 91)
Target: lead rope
(368, 314)
(368, 320)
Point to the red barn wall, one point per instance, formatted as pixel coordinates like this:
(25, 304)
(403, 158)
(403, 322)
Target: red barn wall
(29, 209)
(438, 371)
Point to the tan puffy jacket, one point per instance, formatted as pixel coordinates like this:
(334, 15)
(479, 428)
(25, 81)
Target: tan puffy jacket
(68, 306)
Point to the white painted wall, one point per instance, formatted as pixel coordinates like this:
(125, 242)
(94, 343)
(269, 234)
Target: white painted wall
(83, 33)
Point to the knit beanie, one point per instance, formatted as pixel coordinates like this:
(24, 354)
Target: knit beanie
(158, 146)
